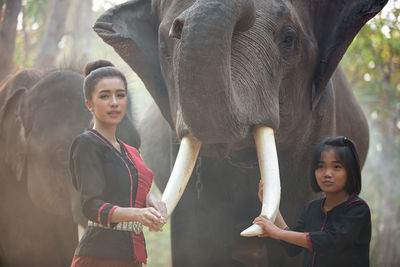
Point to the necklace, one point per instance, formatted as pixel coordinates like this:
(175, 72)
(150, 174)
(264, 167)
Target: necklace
(117, 146)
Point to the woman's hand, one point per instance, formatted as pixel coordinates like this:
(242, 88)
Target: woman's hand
(269, 228)
(160, 206)
(150, 217)
(279, 221)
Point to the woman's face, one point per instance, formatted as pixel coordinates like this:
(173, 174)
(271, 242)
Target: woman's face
(330, 173)
(109, 101)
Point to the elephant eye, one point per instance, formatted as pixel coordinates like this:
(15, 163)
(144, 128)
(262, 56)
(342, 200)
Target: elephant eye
(288, 38)
(288, 41)
(288, 44)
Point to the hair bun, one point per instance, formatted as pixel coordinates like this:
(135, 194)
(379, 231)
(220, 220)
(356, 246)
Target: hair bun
(96, 64)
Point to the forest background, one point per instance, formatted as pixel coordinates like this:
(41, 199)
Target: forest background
(58, 33)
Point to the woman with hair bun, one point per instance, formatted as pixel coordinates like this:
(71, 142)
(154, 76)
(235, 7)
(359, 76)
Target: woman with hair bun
(111, 178)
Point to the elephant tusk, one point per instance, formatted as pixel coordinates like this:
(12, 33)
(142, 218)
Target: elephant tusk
(180, 175)
(269, 169)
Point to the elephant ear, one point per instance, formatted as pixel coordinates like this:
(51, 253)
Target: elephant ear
(132, 30)
(336, 23)
(12, 131)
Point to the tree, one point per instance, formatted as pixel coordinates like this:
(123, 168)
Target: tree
(53, 35)
(34, 19)
(82, 29)
(8, 32)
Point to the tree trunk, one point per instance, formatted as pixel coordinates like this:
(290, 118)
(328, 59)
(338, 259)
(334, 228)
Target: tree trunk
(8, 34)
(77, 30)
(87, 30)
(82, 31)
(53, 35)
(1, 13)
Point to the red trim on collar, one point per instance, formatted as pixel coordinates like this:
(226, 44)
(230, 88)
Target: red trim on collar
(356, 200)
(350, 197)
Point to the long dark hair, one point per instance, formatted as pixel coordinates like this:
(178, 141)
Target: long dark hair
(96, 70)
(346, 153)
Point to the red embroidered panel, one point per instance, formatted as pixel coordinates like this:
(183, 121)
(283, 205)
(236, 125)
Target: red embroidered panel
(145, 178)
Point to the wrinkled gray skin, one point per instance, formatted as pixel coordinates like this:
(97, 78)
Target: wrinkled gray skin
(228, 66)
(40, 114)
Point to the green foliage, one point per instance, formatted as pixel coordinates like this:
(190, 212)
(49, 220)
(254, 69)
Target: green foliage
(158, 247)
(36, 11)
(32, 22)
(373, 65)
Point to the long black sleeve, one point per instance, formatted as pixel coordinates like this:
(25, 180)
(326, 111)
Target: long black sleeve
(86, 167)
(293, 250)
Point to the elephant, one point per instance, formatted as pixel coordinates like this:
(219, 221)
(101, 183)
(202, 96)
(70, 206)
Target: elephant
(224, 74)
(41, 112)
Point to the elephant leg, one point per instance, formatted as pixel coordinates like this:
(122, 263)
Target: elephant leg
(200, 229)
(29, 235)
(206, 226)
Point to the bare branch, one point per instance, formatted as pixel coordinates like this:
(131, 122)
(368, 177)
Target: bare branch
(10, 20)
(1, 13)
(8, 34)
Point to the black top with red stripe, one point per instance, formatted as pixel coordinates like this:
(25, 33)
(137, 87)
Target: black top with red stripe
(339, 237)
(106, 179)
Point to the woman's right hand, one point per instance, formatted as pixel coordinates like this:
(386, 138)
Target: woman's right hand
(269, 228)
(149, 217)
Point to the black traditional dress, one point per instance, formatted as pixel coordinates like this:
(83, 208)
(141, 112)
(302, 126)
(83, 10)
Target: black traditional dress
(339, 237)
(107, 179)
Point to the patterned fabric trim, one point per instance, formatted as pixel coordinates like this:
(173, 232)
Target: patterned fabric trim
(135, 227)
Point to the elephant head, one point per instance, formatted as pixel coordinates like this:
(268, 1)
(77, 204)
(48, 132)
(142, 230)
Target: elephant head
(221, 70)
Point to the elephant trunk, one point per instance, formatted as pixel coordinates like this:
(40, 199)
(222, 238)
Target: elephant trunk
(205, 84)
(204, 68)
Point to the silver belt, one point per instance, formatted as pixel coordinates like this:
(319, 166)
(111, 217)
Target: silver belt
(135, 227)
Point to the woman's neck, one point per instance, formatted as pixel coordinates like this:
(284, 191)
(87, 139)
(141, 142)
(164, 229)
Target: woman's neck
(108, 131)
(334, 199)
